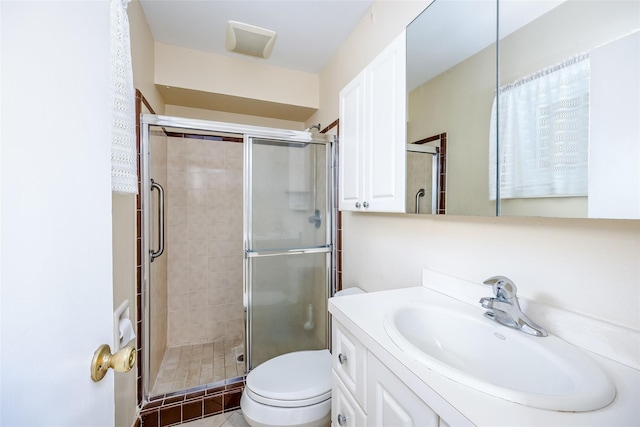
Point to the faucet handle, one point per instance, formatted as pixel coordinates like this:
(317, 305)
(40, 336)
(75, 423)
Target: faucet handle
(503, 287)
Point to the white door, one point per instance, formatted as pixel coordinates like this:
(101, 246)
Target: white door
(55, 253)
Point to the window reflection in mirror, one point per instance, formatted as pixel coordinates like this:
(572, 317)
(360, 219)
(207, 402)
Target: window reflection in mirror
(568, 132)
(451, 83)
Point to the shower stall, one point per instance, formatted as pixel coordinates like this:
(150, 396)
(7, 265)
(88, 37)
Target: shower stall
(237, 244)
(426, 175)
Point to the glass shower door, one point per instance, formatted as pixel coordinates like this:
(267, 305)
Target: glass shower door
(287, 246)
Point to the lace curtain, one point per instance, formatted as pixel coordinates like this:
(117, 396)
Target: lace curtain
(542, 126)
(124, 172)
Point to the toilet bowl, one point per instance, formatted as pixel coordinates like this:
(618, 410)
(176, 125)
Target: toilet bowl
(292, 390)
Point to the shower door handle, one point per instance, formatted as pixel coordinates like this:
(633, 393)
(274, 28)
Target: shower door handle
(276, 252)
(156, 254)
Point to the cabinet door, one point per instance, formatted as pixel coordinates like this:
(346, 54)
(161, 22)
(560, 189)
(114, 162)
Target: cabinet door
(345, 411)
(350, 145)
(373, 135)
(385, 129)
(391, 403)
(349, 362)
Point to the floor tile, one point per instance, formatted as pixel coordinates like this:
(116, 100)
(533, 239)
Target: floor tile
(228, 419)
(193, 365)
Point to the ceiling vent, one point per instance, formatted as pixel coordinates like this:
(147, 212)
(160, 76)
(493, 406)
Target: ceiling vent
(249, 39)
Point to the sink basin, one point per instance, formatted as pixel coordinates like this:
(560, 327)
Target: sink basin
(457, 341)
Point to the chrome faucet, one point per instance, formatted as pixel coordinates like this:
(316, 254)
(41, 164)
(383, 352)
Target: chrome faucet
(505, 308)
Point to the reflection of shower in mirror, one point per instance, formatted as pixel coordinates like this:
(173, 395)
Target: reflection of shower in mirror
(419, 194)
(425, 176)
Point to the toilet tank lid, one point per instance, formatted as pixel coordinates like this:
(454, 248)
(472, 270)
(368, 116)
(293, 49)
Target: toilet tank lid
(293, 376)
(349, 291)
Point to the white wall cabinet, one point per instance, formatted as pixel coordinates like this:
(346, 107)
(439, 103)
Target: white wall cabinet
(366, 393)
(372, 143)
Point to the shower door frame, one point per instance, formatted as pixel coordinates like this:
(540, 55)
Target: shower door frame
(251, 253)
(247, 131)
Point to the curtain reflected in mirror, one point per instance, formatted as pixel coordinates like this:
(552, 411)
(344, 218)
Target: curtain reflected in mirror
(568, 107)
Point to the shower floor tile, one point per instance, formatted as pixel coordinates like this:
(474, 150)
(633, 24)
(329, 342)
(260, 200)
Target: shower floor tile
(193, 365)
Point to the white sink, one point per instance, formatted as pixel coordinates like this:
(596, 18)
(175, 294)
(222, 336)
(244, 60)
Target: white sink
(457, 341)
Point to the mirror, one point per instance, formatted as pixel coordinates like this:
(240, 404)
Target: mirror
(451, 81)
(591, 139)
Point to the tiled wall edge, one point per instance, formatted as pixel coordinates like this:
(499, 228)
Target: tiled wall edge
(176, 409)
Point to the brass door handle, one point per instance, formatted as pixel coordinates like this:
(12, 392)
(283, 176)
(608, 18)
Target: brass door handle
(122, 361)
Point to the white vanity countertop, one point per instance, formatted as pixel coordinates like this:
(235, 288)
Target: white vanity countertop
(363, 315)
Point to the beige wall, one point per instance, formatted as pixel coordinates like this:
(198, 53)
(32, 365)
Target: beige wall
(124, 276)
(221, 116)
(377, 28)
(225, 75)
(143, 56)
(588, 266)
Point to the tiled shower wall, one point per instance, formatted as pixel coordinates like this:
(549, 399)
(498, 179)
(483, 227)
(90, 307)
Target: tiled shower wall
(204, 240)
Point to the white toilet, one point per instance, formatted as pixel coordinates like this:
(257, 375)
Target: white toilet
(292, 390)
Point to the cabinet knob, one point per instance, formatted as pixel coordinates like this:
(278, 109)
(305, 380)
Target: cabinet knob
(341, 420)
(357, 205)
(342, 359)
(365, 204)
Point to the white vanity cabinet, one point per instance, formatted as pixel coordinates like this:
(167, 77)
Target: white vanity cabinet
(373, 134)
(367, 393)
(349, 363)
(380, 384)
(391, 403)
(345, 411)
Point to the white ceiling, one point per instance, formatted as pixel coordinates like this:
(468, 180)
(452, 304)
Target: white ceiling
(309, 32)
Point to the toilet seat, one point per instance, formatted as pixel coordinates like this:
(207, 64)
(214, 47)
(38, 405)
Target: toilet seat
(292, 380)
